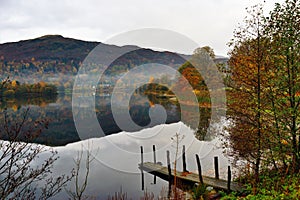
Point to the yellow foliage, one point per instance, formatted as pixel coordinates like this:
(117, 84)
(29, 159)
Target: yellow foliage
(197, 92)
(283, 141)
(151, 80)
(43, 104)
(14, 83)
(15, 107)
(42, 84)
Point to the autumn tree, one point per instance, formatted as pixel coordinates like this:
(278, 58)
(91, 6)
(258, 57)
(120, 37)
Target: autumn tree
(192, 73)
(284, 31)
(246, 96)
(264, 88)
(199, 71)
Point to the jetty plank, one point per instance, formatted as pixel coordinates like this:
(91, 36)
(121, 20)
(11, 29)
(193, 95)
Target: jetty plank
(192, 178)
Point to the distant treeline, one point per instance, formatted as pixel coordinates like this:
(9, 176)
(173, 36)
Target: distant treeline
(15, 89)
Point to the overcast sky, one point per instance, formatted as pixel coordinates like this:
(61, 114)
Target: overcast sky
(207, 22)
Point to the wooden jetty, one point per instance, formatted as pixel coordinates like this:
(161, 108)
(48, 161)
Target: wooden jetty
(186, 177)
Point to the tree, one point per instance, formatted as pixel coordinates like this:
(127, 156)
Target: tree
(207, 49)
(80, 185)
(247, 63)
(191, 73)
(177, 139)
(284, 29)
(264, 89)
(20, 175)
(2, 86)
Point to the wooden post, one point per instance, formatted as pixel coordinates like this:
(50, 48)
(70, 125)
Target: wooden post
(228, 178)
(184, 159)
(154, 160)
(199, 169)
(142, 156)
(154, 155)
(216, 167)
(142, 165)
(143, 180)
(169, 172)
(154, 181)
(169, 165)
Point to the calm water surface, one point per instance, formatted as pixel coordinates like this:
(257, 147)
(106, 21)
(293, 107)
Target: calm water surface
(117, 155)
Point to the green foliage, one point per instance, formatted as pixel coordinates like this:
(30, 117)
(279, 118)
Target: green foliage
(199, 192)
(231, 196)
(15, 89)
(272, 187)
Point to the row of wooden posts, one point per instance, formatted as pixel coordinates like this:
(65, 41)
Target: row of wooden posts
(216, 166)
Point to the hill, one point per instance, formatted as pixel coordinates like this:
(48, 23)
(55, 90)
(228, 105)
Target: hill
(46, 48)
(61, 50)
(55, 59)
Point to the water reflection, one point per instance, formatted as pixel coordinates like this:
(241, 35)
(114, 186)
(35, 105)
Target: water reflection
(118, 157)
(116, 164)
(16, 103)
(61, 131)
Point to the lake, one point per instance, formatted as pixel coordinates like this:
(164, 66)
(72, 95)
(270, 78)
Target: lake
(58, 111)
(118, 153)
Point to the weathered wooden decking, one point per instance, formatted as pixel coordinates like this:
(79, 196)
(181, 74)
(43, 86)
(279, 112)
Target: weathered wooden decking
(191, 178)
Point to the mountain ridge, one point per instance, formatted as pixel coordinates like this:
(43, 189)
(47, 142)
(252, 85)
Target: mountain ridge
(58, 47)
(58, 54)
